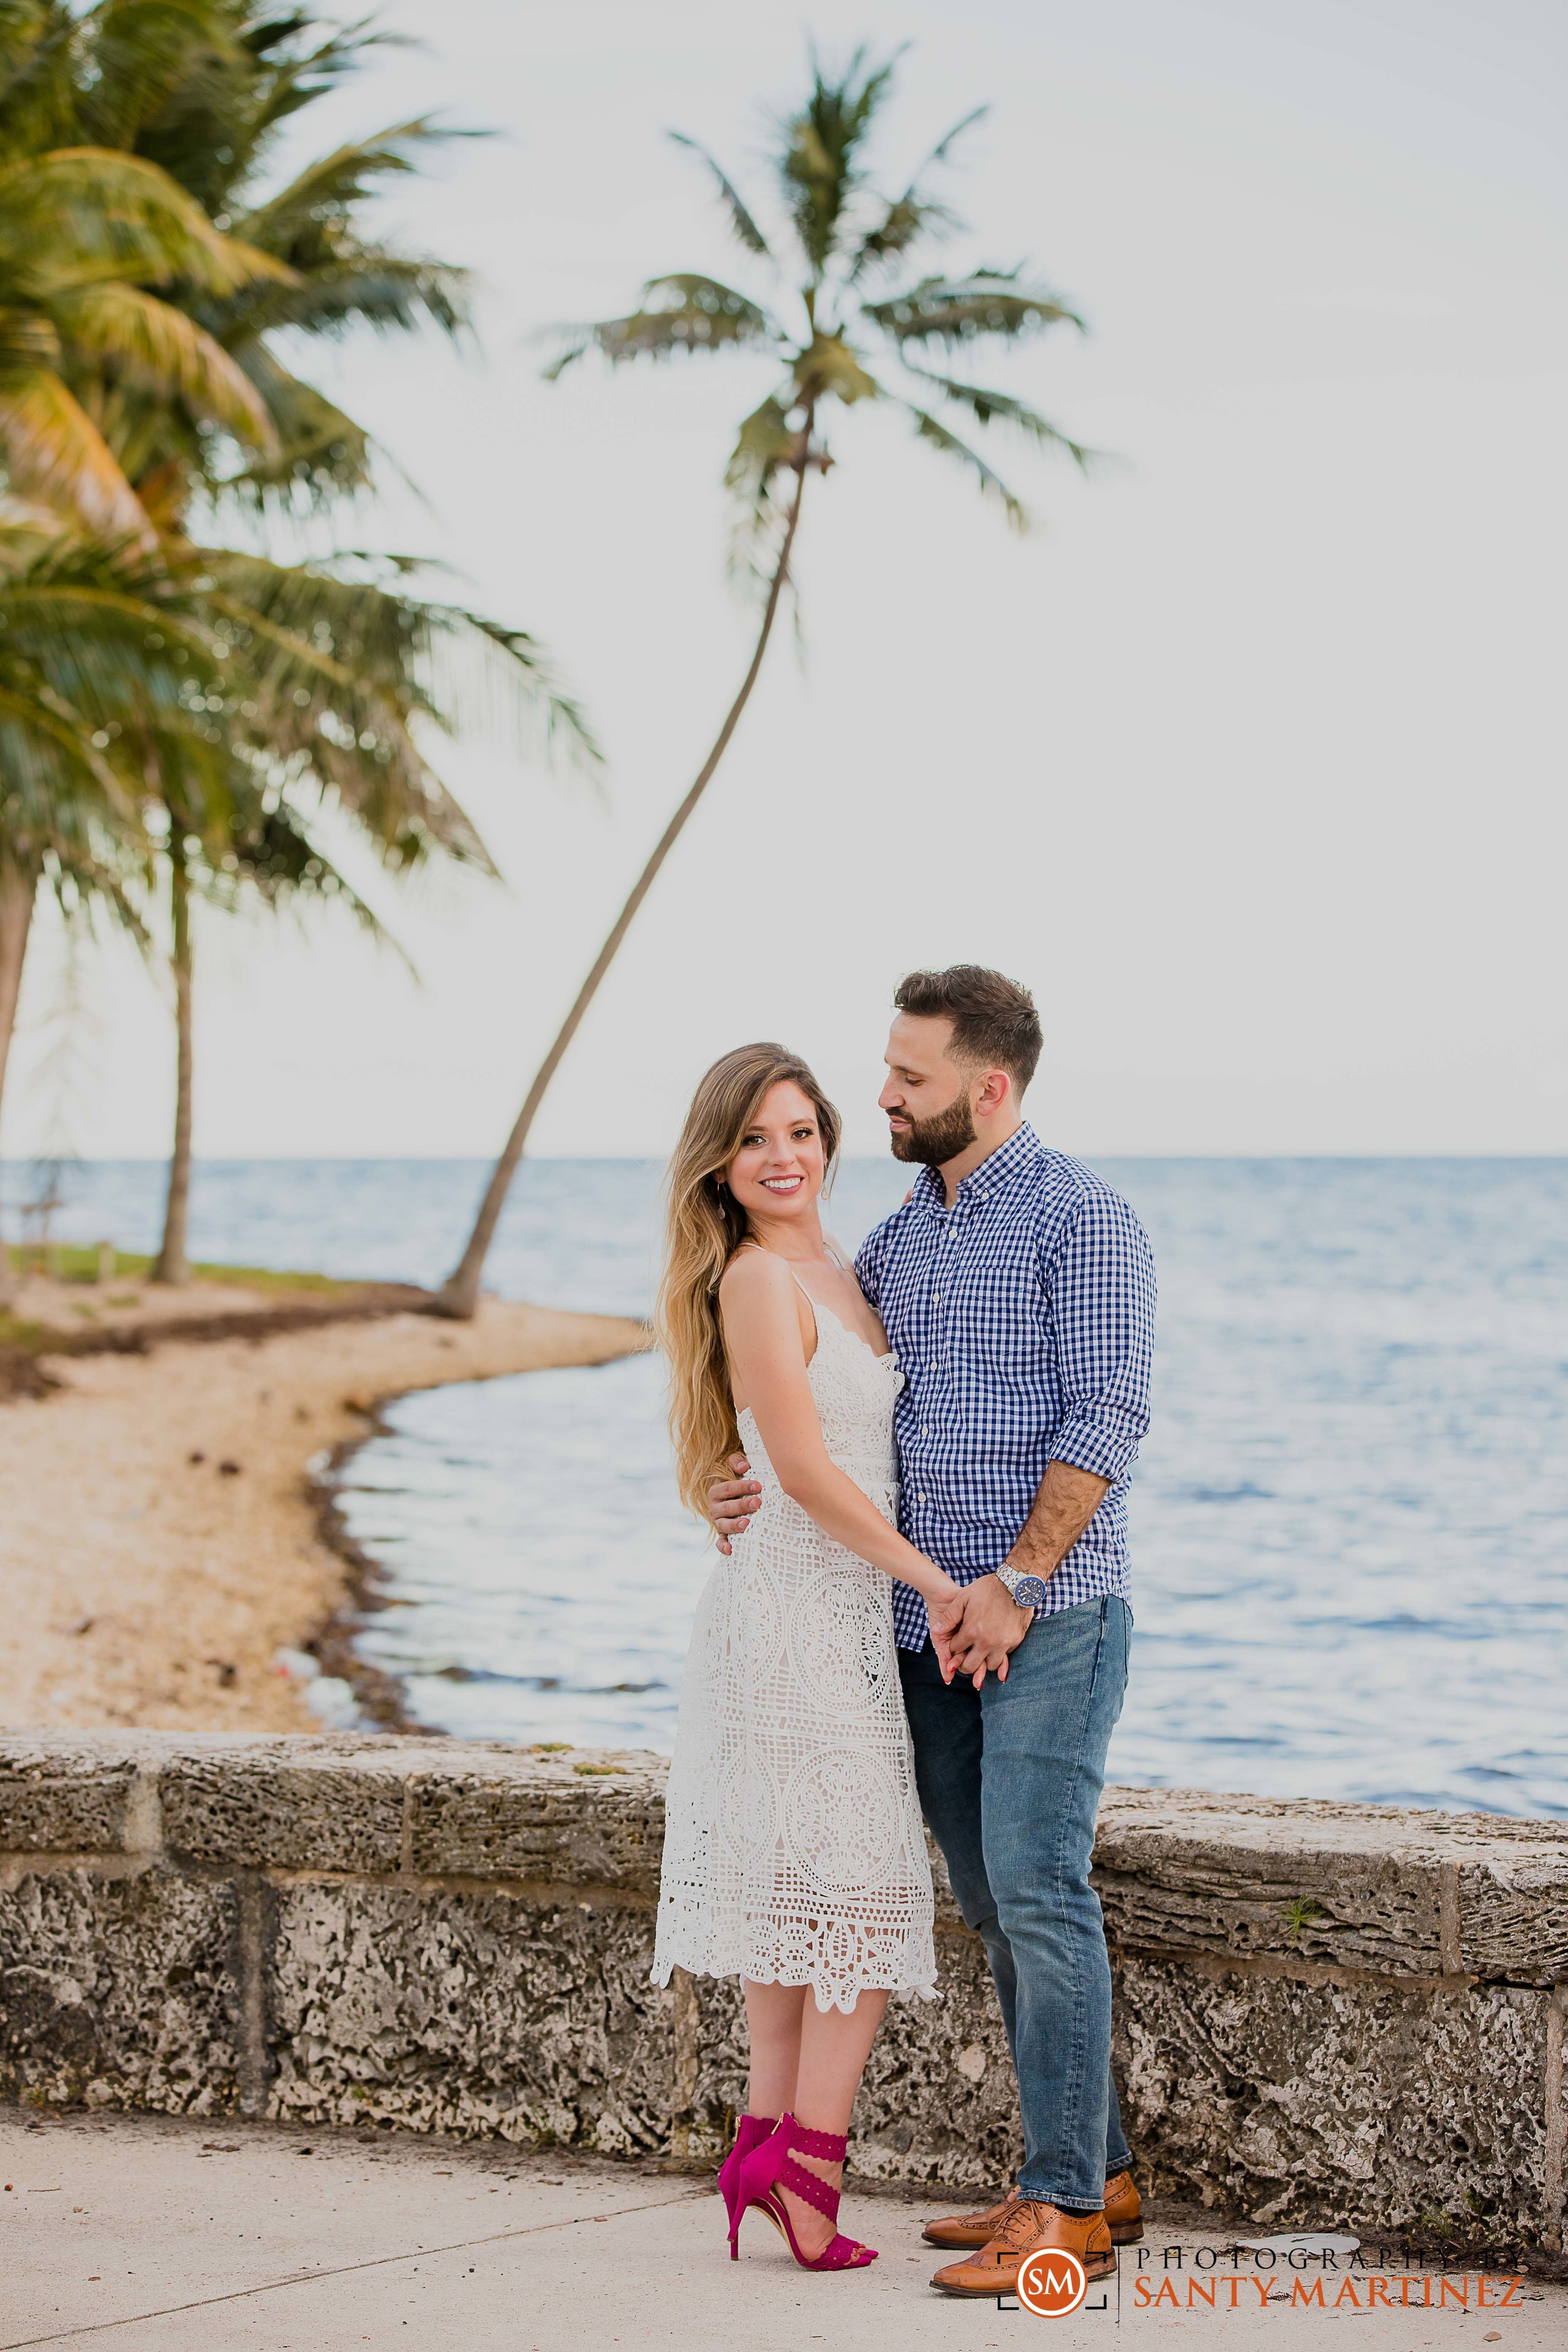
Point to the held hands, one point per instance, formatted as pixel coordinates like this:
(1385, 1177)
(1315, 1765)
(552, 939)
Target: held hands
(976, 1630)
(732, 1501)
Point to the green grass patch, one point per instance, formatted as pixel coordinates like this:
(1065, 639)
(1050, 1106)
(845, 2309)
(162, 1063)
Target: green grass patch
(71, 1264)
(267, 1277)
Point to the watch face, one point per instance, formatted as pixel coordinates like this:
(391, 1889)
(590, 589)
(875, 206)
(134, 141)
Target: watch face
(1029, 1591)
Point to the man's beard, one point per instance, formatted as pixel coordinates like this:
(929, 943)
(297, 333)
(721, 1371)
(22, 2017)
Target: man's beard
(933, 1141)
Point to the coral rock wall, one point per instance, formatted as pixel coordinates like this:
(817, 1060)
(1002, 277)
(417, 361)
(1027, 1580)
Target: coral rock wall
(1325, 2013)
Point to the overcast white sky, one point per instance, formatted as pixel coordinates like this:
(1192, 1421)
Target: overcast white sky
(1251, 761)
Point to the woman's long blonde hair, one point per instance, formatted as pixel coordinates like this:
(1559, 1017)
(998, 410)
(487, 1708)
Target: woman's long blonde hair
(703, 1229)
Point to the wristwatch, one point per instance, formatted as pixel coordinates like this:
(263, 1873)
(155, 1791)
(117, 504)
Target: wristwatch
(1029, 1591)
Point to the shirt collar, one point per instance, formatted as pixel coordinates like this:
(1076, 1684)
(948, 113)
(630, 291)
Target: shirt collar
(997, 1169)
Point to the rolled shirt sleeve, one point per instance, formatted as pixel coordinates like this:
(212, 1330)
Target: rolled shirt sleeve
(868, 1265)
(1101, 1285)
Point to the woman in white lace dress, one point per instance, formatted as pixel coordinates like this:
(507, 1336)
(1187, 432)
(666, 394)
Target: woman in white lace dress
(794, 1856)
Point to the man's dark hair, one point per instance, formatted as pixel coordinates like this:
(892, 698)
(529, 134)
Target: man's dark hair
(994, 1020)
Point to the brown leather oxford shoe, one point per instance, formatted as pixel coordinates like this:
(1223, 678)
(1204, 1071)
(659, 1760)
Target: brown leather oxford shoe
(1123, 2215)
(1030, 2223)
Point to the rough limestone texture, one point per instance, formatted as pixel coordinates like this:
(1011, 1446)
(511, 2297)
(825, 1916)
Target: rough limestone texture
(1324, 2012)
(118, 1991)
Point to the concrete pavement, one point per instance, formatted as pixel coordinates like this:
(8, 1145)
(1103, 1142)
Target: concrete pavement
(139, 2233)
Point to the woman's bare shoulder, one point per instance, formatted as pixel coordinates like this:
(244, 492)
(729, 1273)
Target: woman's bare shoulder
(755, 1277)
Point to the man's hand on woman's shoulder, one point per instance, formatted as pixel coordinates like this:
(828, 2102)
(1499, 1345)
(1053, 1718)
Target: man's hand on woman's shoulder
(732, 1501)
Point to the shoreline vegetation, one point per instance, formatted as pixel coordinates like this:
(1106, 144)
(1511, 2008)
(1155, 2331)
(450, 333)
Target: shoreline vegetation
(165, 1537)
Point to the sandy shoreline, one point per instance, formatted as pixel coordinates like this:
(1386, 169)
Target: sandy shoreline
(143, 1587)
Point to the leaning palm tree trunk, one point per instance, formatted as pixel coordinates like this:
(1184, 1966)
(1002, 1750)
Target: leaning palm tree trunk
(172, 1264)
(460, 1295)
(17, 894)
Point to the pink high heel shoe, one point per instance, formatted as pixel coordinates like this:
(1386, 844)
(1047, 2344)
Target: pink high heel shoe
(774, 2161)
(749, 2133)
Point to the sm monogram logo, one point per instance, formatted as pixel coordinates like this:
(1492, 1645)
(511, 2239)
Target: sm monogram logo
(1051, 2281)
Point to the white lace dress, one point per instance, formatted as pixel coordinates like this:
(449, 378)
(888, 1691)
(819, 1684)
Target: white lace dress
(794, 1852)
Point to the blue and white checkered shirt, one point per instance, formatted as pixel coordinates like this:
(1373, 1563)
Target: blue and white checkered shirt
(1022, 1318)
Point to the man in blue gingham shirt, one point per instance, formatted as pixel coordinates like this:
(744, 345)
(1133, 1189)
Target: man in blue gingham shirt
(1017, 1292)
(1023, 1317)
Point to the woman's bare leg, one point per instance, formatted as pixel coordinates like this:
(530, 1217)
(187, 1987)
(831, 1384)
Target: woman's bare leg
(774, 2014)
(834, 2048)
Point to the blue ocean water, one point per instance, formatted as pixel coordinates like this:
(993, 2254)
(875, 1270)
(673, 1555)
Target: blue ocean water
(1350, 1522)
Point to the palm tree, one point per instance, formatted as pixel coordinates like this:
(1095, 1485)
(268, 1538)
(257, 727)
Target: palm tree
(200, 96)
(88, 660)
(854, 311)
(183, 402)
(328, 673)
(91, 243)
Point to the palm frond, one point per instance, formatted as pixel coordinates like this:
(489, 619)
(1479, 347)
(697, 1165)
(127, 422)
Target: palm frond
(55, 452)
(300, 222)
(682, 314)
(338, 626)
(766, 442)
(144, 53)
(104, 652)
(402, 809)
(29, 339)
(27, 528)
(530, 677)
(231, 95)
(817, 167)
(126, 219)
(34, 103)
(361, 286)
(945, 144)
(740, 220)
(158, 348)
(85, 884)
(931, 428)
(323, 454)
(352, 620)
(955, 311)
(907, 219)
(298, 711)
(84, 861)
(270, 848)
(915, 214)
(765, 445)
(989, 407)
(32, 721)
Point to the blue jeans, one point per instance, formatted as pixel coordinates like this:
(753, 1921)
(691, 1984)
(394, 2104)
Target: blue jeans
(1010, 1779)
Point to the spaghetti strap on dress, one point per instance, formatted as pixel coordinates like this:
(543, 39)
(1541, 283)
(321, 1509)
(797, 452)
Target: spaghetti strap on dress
(794, 1849)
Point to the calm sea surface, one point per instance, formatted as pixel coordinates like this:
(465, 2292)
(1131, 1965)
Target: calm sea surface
(1349, 1521)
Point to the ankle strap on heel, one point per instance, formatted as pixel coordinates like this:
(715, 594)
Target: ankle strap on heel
(829, 2147)
(810, 2188)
